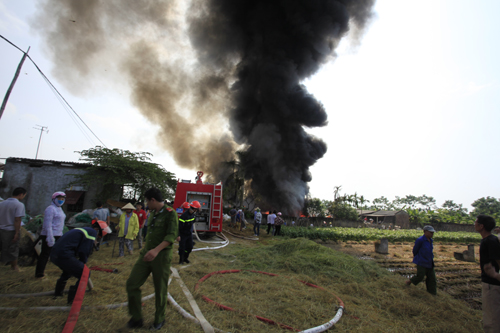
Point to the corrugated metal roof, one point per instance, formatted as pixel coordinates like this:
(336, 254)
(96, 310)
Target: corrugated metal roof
(384, 213)
(361, 211)
(46, 162)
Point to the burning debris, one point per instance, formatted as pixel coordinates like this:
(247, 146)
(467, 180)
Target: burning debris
(216, 75)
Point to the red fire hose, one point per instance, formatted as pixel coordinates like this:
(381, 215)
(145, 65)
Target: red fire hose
(77, 302)
(99, 268)
(265, 320)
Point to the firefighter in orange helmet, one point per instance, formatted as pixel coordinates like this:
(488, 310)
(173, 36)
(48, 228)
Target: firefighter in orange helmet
(185, 237)
(185, 206)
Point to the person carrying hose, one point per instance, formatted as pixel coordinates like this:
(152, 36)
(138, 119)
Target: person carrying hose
(52, 230)
(78, 242)
(185, 237)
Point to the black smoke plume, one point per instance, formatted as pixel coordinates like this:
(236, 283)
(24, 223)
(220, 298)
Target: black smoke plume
(276, 44)
(242, 83)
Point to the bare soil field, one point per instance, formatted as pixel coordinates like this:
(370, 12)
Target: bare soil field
(460, 279)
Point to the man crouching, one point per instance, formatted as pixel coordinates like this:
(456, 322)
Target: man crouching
(78, 242)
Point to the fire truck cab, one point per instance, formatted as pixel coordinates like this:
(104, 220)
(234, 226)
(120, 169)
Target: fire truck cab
(209, 217)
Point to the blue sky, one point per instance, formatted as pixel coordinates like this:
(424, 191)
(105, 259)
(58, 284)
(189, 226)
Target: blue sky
(413, 109)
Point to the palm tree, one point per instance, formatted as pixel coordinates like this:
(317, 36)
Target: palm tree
(362, 201)
(336, 190)
(355, 199)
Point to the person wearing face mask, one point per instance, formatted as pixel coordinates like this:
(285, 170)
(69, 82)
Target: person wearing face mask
(52, 229)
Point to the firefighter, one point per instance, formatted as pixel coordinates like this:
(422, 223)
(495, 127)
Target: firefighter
(78, 242)
(185, 237)
(185, 206)
(155, 258)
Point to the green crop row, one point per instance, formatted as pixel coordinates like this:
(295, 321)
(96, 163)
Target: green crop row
(367, 234)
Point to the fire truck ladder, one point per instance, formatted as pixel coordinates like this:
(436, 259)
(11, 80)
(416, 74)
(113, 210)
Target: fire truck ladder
(217, 204)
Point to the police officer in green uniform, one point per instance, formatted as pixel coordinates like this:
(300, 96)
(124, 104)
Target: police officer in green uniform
(155, 258)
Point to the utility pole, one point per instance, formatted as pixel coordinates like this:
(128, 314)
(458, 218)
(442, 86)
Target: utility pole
(41, 129)
(7, 94)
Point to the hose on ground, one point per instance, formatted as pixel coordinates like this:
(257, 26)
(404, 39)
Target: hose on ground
(242, 237)
(317, 329)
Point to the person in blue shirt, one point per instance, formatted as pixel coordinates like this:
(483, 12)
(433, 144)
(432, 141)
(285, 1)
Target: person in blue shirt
(77, 242)
(423, 257)
(101, 213)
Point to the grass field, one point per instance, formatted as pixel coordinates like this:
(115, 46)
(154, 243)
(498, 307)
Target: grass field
(376, 300)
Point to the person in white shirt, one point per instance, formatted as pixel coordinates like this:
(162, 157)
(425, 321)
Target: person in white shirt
(52, 229)
(11, 213)
(257, 218)
(270, 222)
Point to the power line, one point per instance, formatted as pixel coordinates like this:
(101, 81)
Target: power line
(54, 89)
(71, 115)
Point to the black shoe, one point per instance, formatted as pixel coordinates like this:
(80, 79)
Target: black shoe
(59, 291)
(72, 293)
(186, 261)
(134, 323)
(156, 327)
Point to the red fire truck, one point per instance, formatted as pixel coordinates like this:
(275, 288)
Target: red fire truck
(209, 218)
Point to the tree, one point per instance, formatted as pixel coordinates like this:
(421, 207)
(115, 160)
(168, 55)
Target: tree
(336, 190)
(453, 207)
(488, 206)
(326, 204)
(133, 172)
(427, 202)
(381, 203)
(362, 201)
(234, 188)
(315, 207)
(340, 211)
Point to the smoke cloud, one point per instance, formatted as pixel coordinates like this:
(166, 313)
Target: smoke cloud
(217, 75)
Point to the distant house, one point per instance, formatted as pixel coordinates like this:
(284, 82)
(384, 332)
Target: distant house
(41, 178)
(399, 218)
(363, 211)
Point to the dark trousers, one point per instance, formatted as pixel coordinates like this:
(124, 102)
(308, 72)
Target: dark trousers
(186, 245)
(277, 230)
(43, 258)
(269, 225)
(70, 267)
(256, 228)
(430, 278)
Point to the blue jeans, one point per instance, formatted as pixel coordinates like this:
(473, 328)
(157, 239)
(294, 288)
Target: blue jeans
(256, 228)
